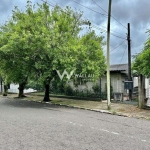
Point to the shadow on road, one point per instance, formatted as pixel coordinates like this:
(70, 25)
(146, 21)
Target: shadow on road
(16, 102)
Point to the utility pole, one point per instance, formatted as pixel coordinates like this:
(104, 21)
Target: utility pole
(108, 57)
(129, 61)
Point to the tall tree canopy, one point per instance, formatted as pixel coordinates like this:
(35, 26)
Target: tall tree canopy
(37, 42)
(142, 60)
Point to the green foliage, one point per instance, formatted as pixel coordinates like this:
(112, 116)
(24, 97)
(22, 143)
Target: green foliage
(38, 41)
(141, 61)
(96, 88)
(57, 87)
(68, 90)
(35, 85)
(91, 59)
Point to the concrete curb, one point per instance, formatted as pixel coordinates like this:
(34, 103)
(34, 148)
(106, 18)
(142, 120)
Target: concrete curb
(104, 111)
(95, 110)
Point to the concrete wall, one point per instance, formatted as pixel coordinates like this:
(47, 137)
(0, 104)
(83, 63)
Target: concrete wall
(83, 87)
(14, 89)
(116, 82)
(1, 88)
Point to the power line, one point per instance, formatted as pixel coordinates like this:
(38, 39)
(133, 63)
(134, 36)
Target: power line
(133, 47)
(98, 28)
(94, 11)
(91, 9)
(119, 36)
(88, 19)
(93, 25)
(118, 45)
(111, 15)
(100, 7)
(49, 3)
(111, 30)
(119, 22)
(104, 27)
(122, 57)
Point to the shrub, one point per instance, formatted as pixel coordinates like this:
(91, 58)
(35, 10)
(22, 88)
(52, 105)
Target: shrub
(96, 88)
(68, 90)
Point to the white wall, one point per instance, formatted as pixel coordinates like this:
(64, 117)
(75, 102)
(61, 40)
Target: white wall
(14, 89)
(1, 90)
(83, 87)
(116, 82)
(135, 81)
(147, 86)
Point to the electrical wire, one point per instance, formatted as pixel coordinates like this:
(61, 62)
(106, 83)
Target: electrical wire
(133, 48)
(107, 13)
(112, 30)
(90, 9)
(100, 7)
(119, 36)
(122, 57)
(104, 27)
(49, 3)
(98, 28)
(118, 45)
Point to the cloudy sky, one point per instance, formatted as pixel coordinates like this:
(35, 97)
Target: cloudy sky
(135, 12)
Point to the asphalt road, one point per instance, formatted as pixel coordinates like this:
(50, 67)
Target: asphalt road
(37, 126)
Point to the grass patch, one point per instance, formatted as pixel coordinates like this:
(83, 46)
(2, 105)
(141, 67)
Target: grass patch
(79, 103)
(121, 109)
(114, 112)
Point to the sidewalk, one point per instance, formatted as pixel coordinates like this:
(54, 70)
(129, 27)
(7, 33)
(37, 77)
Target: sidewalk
(127, 108)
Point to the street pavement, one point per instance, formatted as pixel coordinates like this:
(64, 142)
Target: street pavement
(28, 125)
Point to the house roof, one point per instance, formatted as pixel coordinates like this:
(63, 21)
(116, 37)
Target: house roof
(119, 67)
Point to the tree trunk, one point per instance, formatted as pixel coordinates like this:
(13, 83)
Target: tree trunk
(1, 87)
(5, 90)
(46, 97)
(141, 91)
(21, 90)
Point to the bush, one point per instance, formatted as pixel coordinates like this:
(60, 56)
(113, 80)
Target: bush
(111, 90)
(57, 87)
(35, 85)
(68, 90)
(96, 88)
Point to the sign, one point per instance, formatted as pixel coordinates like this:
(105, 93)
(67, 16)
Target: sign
(128, 85)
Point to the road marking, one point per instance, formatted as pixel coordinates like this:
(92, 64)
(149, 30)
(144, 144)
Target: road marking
(143, 140)
(104, 130)
(115, 133)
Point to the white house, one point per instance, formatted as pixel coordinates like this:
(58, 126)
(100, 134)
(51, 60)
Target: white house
(118, 74)
(14, 89)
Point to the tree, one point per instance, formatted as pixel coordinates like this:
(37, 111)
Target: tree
(142, 61)
(60, 51)
(141, 68)
(90, 57)
(17, 47)
(39, 41)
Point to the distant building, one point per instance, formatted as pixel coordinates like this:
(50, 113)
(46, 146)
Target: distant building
(118, 74)
(13, 88)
